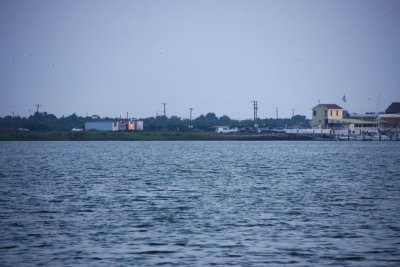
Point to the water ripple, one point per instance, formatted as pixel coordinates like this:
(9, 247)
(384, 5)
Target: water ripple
(199, 203)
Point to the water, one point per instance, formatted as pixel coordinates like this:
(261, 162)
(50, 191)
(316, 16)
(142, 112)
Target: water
(200, 203)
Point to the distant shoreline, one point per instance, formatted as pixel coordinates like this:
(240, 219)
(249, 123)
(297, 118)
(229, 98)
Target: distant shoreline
(147, 136)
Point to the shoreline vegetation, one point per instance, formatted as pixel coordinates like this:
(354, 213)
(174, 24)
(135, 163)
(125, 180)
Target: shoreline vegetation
(148, 136)
(45, 122)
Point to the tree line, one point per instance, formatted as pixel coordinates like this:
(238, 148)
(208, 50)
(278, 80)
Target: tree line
(42, 121)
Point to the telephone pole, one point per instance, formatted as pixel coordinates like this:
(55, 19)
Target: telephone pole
(164, 103)
(255, 108)
(277, 113)
(37, 107)
(190, 126)
(292, 112)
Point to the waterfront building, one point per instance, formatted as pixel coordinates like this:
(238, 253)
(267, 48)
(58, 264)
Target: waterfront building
(327, 116)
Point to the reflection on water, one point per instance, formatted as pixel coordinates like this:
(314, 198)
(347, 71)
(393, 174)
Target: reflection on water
(199, 203)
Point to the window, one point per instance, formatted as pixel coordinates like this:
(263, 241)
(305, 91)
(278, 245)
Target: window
(337, 112)
(314, 112)
(326, 113)
(331, 112)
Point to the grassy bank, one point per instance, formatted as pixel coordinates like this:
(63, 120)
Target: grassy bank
(139, 136)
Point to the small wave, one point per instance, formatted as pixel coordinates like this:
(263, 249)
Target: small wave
(15, 224)
(8, 247)
(44, 212)
(154, 252)
(156, 244)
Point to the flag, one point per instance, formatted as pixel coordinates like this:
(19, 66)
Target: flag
(344, 98)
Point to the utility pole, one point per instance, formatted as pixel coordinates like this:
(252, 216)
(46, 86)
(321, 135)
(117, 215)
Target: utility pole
(277, 113)
(37, 107)
(190, 126)
(164, 103)
(255, 108)
(292, 112)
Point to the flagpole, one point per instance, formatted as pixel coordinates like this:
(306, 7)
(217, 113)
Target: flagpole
(344, 102)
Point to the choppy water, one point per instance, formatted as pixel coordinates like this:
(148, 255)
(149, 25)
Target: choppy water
(199, 203)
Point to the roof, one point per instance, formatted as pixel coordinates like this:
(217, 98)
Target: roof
(359, 121)
(372, 116)
(330, 106)
(393, 108)
(390, 117)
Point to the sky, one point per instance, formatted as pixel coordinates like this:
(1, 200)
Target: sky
(112, 57)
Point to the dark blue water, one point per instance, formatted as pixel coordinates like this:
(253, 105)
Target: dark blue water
(200, 203)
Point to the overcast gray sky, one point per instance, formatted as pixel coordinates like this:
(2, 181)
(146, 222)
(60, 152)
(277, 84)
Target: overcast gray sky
(113, 57)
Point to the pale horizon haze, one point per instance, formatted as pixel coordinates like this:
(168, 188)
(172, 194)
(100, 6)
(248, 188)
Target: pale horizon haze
(112, 57)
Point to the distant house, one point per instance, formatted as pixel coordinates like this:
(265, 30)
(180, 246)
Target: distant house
(394, 108)
(326, 115)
